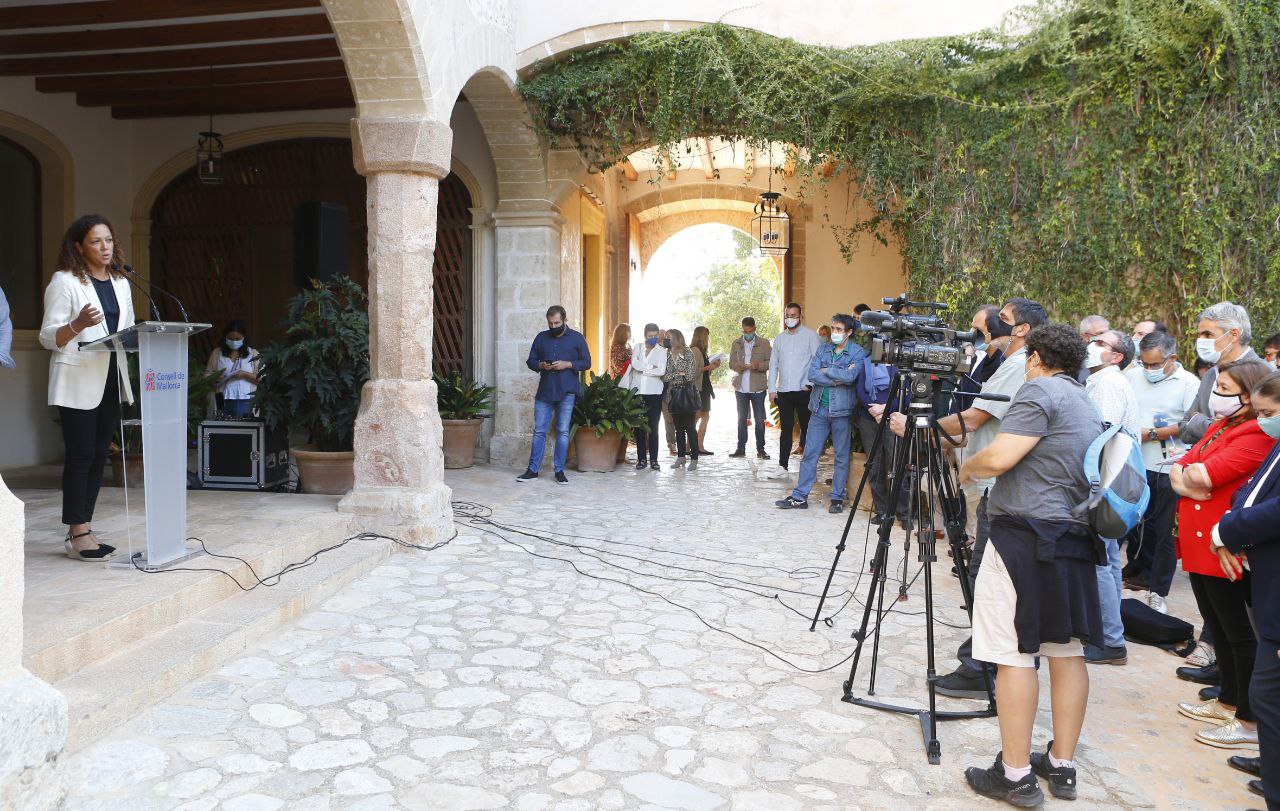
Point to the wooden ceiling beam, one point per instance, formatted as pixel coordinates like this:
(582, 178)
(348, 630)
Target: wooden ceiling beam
(160, 36)
(123, 11)
(190, 109)
(629, 171)
(749, 161)
(179, 58)
(228, 95)
(163, 80)
(708, 160)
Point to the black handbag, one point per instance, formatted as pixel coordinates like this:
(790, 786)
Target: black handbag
(685, 399)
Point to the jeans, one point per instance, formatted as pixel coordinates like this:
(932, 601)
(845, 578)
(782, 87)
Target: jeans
(1221, 603)
(968, 665)
(87, 434)
(1151, 548)
(542, 414)
(236, 408)
(647, 441)
(749, 404)
(686, 433)
(1110, 589)
(793, 407)
(822, 425)
(1264, 694)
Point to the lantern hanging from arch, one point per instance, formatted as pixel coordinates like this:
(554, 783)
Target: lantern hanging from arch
(771, 225)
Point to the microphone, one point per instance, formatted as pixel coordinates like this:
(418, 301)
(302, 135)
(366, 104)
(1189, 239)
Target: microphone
(172, 297)
(155, 311)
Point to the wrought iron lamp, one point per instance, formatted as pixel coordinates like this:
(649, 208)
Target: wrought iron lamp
(771, 225)
(209, 148)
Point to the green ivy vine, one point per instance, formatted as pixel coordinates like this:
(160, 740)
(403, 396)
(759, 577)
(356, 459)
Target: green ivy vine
(1114, 156)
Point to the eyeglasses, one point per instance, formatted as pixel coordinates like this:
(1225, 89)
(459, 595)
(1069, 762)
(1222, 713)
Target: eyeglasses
(1154, 366)
(1102, 342)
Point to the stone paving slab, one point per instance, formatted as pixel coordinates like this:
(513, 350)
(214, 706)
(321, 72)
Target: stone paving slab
(481, 676)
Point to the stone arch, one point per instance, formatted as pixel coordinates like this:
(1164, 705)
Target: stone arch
(593, 35)
(57, 182)
(382, 51)
(513, 142)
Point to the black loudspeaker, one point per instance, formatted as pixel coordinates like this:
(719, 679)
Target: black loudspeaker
(319, 243)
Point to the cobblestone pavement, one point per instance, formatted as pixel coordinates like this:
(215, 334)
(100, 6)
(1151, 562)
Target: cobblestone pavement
(481, 676)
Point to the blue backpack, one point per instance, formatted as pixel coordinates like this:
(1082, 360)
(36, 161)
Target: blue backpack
(872, 385)
(1118, 491)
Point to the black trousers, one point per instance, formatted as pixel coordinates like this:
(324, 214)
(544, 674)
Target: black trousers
(647, 441)
(1222, 604)
(1151, 548)
(793, 407)
(87, 434)
(1264, 696)
(686, 433)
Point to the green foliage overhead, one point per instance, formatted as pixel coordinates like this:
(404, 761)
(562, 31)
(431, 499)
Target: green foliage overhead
(605, 406)
(1114, 156)
(461, 398)
(312, 379)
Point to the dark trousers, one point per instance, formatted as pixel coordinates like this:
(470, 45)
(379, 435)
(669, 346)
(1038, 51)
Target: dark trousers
(749, 404)
(793, 407)
(1222, 604)
(686, 433)
(867, 431)
(1264, 696)
(647, 441)
(968, 665)
(87, 434)
(1150, 545)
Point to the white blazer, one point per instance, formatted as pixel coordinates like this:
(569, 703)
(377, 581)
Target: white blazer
(648, 366)
(77, 379)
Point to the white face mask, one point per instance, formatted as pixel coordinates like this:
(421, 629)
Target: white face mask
(1207, 349)
(792, 323)
(1223, 405)
(1093, 356)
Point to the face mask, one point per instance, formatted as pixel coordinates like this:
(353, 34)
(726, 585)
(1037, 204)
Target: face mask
(1224, 406)
(1207, 350)
(557, 331)
(666, 343)
(651, 342)
(1270, 426)
(748, 336)
(837, 338)
(979, 347)
(792, 323)
(1093, 357)
(1154, 375)
(235, 344)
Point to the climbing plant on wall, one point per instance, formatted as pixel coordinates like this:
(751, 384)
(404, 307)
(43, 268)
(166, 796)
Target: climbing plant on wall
(1115, 156)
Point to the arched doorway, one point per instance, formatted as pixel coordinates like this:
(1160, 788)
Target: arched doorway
(451, 347)
(20, 229)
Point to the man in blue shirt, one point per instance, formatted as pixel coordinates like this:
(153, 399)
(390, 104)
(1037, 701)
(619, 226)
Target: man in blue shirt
(558, 355)
(6, 334)
(833, 373)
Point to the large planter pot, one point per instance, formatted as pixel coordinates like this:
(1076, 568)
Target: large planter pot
(460, 442)
(858, 464)
(134, 461)
(596, 454)
(330, 473)
(623, 441)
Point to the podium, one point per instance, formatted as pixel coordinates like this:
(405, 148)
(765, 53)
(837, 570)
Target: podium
(162, 367)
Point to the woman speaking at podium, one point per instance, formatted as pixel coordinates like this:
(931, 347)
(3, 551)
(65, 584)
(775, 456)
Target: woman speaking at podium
(87, 299)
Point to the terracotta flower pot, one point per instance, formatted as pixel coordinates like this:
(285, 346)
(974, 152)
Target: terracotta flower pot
(596, 454)
(623, 442)
(135, 463)
(460, 442)
(331, 473)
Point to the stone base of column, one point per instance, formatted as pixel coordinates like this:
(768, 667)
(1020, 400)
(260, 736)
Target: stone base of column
(512, 450)
(33, 731)
(417, 516)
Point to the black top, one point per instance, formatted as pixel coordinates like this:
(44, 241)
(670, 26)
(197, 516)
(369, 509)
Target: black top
(110, 304)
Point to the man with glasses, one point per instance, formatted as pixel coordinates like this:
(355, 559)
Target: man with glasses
(1165, 392)
(1106, 356)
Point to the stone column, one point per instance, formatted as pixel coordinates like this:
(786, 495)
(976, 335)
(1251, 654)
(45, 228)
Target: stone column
(483, 286)
(399, 463)
(528, 282)
(33, 715)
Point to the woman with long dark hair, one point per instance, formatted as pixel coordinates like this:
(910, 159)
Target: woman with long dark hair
(702, 342)
(684, 368)
(237, 365)
(87, 299)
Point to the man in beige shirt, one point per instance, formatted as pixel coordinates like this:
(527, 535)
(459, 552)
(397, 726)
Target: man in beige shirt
(749, 360)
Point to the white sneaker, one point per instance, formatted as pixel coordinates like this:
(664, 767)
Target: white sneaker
(1202, 656)
(1157, 602)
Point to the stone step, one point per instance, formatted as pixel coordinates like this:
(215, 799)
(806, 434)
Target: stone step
(117, 688)
(118, 607)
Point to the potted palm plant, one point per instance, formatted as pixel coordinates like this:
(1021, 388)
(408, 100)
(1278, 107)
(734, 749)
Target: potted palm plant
(463, 405)
(610, 412)
(310, 382)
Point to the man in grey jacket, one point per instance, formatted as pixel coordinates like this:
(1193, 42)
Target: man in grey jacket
(1223, 337)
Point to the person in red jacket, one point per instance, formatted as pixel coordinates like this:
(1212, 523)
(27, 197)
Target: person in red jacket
(1206, 477)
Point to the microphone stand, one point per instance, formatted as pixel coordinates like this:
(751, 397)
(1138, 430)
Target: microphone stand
(155, 311)
(172, 297)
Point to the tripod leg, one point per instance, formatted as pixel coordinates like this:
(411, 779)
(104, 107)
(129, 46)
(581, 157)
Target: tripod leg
(927, 555)
(886, 528)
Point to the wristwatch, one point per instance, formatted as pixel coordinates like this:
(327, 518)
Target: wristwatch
(1152, 435)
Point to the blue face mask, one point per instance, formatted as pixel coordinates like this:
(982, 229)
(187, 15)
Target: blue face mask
(1270, 426)
(651, 342)
(1154, 375)
(748, 336)
(980, 347)
(235, 344)
(837, 338)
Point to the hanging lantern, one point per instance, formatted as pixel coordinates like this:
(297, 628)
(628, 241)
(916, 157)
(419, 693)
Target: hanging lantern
(771, 226)
(209, 157)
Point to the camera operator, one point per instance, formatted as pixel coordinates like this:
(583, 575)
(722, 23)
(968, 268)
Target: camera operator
(982, 421)
(1037, 591)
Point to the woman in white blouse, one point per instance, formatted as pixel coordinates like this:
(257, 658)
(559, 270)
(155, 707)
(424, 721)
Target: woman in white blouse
(87, 299)
(237, 365)
(648, 365)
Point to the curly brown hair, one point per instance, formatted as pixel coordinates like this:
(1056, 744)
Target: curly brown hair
(69, 258)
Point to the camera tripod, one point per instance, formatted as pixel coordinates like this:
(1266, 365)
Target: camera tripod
(919, 461)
